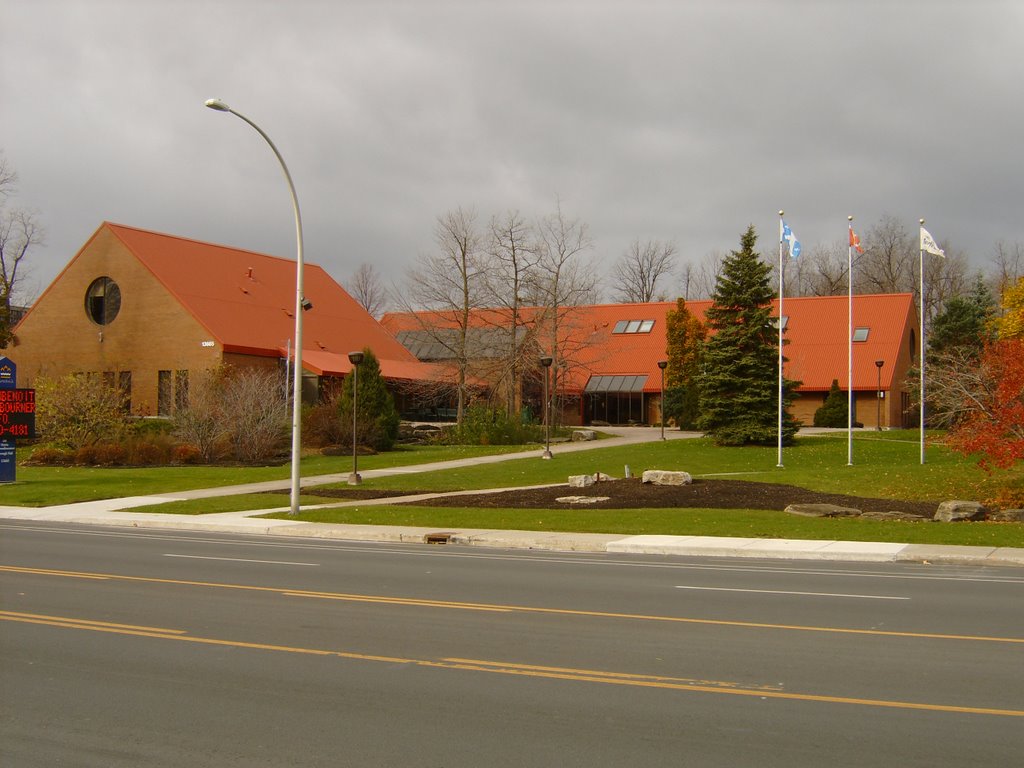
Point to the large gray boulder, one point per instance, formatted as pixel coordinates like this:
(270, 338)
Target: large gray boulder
(1006, 515)
(581, 481)
(665, 477)
(821, 510)
(955, 511)
(583, 435)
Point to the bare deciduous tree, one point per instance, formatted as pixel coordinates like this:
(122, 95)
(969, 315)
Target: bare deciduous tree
(448, 283)
(566, 279)
(20, 230)
(639, 270)
(512, 253)
(367, 287)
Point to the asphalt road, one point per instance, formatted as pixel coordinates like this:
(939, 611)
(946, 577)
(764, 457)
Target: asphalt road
(124, 647)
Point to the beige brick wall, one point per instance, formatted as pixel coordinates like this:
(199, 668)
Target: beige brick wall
(151, 332)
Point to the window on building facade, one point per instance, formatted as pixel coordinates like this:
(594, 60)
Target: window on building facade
(164, 393)
(103, 300)
(180, 390)
(124, 386)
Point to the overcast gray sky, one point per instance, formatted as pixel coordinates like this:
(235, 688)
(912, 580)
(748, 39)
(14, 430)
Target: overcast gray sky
(682, 121)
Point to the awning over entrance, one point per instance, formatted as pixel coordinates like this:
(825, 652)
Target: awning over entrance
(613, 384)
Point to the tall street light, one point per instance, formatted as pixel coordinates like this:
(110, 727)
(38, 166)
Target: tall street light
(878, 395)
(355, 358)
(300, 305)
(663, 364)
(546, 363)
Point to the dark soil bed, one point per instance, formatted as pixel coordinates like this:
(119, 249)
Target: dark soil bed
(631, 494)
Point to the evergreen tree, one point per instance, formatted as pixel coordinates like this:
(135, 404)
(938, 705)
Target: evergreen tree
(966, 322)
(376, 418)
(685, 336)
(835, 411)
(739, 390)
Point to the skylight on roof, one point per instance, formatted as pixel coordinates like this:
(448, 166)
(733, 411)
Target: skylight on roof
(861, 334)
(633, 326)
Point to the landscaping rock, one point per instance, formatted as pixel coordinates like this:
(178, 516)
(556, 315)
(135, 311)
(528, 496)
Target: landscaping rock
(821, 510)
(665, 477)
(1005, 515)
(955, 511)
(581, 481)
(581, 499)
(583, 435)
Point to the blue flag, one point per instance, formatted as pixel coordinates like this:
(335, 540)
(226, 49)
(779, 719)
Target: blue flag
(789, 237)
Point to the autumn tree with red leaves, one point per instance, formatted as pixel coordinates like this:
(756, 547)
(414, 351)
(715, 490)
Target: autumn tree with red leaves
(992, 403)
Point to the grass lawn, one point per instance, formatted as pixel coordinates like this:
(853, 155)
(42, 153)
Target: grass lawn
(886, 465)
(49, 486)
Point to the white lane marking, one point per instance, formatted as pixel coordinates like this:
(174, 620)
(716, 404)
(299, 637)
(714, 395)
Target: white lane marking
(805, 594)
(238, 560)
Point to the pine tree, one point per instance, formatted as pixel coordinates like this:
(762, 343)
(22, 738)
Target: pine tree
(377, 418)
(965, 321)
(685, 336)
(739, 390)
(835, 411)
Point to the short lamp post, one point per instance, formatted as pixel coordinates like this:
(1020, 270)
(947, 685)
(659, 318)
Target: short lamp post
(878, 395)
(546, 364)
(355, 358)
(663, 364)
(300, 305)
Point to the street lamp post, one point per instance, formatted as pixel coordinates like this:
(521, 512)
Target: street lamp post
(355, 358)
(546, 363)
(878, 395)
(300, 305)
(663, 364)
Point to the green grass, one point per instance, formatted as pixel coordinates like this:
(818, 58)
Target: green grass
(675, 522)
(886, 465)
(49, 486)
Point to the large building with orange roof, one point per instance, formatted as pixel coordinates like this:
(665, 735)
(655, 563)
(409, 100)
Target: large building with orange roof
(610, 354)
(150, 310)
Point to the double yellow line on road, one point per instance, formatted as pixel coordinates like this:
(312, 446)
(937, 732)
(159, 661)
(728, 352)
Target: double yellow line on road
(468, 606)
(504, 668)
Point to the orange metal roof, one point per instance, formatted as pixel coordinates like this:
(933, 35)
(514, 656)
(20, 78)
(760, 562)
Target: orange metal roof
(247, 299)
(816, 331)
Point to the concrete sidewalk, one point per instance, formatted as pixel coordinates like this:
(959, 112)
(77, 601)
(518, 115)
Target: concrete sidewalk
(118, 512)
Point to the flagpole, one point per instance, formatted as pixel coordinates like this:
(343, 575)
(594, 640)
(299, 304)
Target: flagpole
(849, 345)
(781, 286)
(920, 244)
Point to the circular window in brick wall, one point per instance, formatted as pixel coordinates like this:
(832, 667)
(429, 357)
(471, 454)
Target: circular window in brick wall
(103, 300)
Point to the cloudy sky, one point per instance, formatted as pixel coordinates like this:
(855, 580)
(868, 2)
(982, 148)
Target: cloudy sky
(681, 120)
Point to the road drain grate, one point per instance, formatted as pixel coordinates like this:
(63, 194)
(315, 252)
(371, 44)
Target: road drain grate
(438, 538)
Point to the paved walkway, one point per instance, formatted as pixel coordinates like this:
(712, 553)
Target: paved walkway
(119, 512)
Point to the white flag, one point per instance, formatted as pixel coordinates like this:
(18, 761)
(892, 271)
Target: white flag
(928, 244)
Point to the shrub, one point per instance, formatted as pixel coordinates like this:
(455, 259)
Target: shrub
(52, 456)
(109, 454)
(86, 456)
(834, 412)
(187, 454)
(77, 410)
(482, 425)
(147, 453)
(377, 418)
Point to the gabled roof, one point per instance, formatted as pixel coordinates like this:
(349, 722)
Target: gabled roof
(247, 300)
(816, 329)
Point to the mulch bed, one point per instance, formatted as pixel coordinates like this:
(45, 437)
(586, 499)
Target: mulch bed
(632, 494)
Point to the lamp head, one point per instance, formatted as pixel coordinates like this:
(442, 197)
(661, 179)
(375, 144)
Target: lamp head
(217, 104)
(546, 361)
(355, 357)
(663, 364)
(879, 363)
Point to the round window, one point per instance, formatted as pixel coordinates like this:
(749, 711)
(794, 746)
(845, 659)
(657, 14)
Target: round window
(103, 300)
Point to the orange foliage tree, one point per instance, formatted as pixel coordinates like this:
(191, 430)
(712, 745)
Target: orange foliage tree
(994, 406)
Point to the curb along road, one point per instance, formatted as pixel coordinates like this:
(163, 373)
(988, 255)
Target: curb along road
(117, 512)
